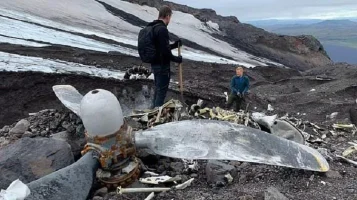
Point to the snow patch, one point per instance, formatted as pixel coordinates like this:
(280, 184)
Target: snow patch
(21, 42)
(94, 19)
(27, 31)
(16, 63)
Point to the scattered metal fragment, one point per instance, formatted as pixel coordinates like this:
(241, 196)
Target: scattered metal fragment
(103, 174)
(151, 196)
(349, 150)
(182, 186)
(270, 108)
(121, 190)
(159, 179)
(155, 180)
(347, 160)
(151, 173)
(168, 112)
(17, 190)
(344, 126)
(139, 71)
(190, 165)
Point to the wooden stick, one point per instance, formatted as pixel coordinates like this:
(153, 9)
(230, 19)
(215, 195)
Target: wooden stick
(180, 72)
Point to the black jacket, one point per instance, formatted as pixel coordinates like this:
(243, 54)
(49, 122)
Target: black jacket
(162, 43)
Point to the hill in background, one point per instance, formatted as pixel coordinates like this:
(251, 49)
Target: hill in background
(339, 37)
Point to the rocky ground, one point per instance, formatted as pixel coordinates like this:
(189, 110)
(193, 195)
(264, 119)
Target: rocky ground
(311, 95)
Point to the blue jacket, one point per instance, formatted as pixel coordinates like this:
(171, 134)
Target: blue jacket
(239, 84)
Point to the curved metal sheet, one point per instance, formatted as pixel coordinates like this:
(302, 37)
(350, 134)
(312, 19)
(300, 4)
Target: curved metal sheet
(72, 182)
(218, 140)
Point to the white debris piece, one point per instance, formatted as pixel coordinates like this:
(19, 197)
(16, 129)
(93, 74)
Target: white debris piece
(270, 107)
(16, 191)
(333, 115)
(263, 119)
(312, 90)
(226, 95)
(190, 165)
(229, 178)
(151, 173)
(184, 185)
(151, 196)
(159, 179)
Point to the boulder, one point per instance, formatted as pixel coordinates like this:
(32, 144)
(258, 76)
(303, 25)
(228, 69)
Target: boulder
(216, 172)
(3, 141)
(20, 128)
(333, 174)
(274, 194)
(353, 115)
(29, 159)
(76, 142)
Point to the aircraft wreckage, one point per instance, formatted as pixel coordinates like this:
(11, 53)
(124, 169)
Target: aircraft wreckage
(110, 153)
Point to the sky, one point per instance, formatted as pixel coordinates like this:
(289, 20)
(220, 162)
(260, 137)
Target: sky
(247, 10)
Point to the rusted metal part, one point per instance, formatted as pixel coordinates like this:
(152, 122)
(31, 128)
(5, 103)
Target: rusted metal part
(112, 148)
(120, 178)
(116, 155)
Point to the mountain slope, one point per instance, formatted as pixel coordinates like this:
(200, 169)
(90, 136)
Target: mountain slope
(110, 25)
(298, 52)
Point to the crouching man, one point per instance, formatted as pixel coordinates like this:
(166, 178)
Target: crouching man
(239, 89)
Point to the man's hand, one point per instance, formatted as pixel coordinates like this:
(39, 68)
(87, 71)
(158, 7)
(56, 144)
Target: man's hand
(239, 94)
(178, 43)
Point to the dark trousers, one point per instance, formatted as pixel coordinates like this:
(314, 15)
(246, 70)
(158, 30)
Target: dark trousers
(162, 80)
(233, 98)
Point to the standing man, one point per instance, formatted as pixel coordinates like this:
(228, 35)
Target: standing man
(239, 89)
(161, 63)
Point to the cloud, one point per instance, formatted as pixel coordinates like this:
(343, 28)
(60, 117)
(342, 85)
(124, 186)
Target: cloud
(278, 9)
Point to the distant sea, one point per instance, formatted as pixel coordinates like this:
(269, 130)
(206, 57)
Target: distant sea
(341, 53)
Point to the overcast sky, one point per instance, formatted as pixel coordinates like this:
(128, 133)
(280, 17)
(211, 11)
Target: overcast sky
(278, 9)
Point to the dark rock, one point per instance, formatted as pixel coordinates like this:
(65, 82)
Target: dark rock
(4, 130)
(351, 191)
(177, 166)
(235, 163)
(43, 133)
(244, 165)
(341, 139)
(246, 197)
(27, 134)
(161, 169)
(76, 142)
(271, 99)
(20, 128)
(3, 141)
(101, 192)
(31, 158)
(333, 174)
(216, 171)
(194, 175)
(273, 194)
(242, 178)
(353, 115)
(147, 157)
